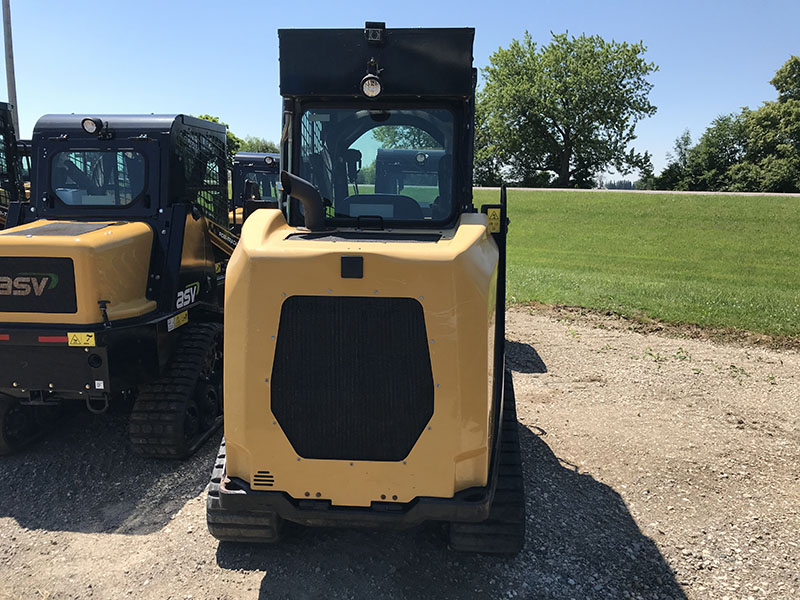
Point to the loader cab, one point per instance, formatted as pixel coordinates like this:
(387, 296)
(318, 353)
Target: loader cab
(255, 176)
(385, 136)
(131, 167)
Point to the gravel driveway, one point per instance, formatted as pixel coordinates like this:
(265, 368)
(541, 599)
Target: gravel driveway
(656, 467)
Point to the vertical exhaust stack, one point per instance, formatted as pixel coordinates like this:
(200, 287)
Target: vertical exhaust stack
(308, 195)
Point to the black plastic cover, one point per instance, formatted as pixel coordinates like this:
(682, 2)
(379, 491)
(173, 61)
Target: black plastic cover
(352, 267)
(410, 62)
(37, 284)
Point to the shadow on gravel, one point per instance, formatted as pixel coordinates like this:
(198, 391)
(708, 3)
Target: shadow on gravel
(83, 477)
(523, 358)
(582, 543)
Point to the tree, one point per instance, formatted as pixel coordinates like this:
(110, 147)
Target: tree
(723, 145)
(569, 107)
(367, 174)
(403, 136)
(772, 156)
(673, 177)
(787, 80)
(252, 143)
(772, 161)
(234, 142)
(486, 166)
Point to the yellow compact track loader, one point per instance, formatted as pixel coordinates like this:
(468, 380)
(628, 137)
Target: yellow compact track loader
(111, 279)
(365, 382)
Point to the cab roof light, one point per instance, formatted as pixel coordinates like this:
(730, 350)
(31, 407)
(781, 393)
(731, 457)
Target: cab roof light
(92, 125)
(371, 86)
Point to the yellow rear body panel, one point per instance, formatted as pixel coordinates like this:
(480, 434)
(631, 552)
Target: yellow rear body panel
(454, 279)
(111, 263)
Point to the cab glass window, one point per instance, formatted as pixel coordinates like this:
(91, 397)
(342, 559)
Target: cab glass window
(97, 178)
(262, 185)
(381, 165)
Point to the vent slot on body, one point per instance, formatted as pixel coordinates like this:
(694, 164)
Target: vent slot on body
(263, 479)
(352, 377)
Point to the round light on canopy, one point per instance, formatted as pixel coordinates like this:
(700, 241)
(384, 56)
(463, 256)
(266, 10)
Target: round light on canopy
(371, 86)
(91, 126)
(269, 160)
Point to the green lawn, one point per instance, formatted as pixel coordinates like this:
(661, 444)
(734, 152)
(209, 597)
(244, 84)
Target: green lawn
(722, 261)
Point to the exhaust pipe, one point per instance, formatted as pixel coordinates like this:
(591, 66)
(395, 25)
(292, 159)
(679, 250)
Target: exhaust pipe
(313, 208)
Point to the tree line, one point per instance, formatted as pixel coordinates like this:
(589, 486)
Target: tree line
(753, 150)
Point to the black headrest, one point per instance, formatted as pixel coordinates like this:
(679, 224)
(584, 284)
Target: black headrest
(403, 207)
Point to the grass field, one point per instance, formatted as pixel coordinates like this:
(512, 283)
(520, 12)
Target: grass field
(721, 261)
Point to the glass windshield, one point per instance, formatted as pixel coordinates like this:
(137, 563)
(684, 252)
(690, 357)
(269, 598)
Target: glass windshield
(259, 185)
(97, 178)
(387, 165)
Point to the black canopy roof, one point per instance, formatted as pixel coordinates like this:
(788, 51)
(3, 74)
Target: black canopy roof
(410, 62)
(121, 124)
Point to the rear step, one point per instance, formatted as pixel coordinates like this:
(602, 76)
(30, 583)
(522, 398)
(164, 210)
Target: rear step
(228, 526)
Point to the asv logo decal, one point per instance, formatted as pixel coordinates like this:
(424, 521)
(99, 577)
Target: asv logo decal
(188, 295)
(26, 284)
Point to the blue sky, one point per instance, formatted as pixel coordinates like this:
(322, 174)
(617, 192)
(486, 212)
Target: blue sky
(221, 58)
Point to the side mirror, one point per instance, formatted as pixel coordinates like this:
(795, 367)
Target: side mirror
(196, 212)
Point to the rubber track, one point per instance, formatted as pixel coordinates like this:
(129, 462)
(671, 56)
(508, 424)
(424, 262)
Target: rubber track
(156, 421)
(504, 531)
(228, 526)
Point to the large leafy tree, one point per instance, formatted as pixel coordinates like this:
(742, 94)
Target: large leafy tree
(569, 107)
(787, 80)
(772, 162)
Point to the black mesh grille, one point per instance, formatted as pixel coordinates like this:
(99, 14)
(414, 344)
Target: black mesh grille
(352, 377)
